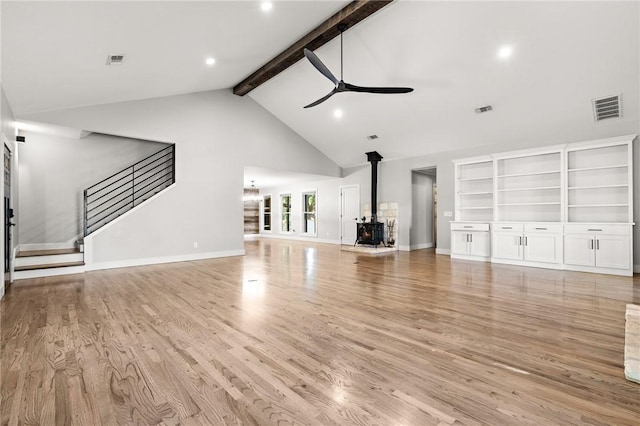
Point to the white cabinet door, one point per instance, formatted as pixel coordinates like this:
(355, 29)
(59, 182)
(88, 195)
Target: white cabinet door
(579, 250)
(480, 244)
(507, 245)
(459, 242)
(612, 251)
(542, 247)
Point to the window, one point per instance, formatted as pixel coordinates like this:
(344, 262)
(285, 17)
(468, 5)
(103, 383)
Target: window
(266, 213)
(285, 204)
(309, 223)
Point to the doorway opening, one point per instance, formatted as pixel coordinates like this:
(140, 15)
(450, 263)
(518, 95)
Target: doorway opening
(424, 208)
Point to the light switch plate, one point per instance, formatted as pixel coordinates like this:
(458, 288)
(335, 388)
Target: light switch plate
(448, 214)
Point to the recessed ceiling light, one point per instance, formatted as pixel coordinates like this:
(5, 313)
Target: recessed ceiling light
(266, 6)
(210, 61)
(337, 113)
(505, 52)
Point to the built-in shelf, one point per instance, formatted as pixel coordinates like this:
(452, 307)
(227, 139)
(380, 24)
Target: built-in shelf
(474, 178)
(599, 186)
(529, 189)
(530, 204)
(586, 169)
(598, 205)
(476, 193)
(530, 174)
(475, 208)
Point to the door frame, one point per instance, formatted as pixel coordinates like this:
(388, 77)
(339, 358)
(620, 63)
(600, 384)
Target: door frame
(341, 204)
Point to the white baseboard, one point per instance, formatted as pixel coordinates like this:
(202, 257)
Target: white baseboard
(251, 237)
(404, 248)
(296, 238)
(52, 272)
(443, 251)
(421, 246)
(94, 266)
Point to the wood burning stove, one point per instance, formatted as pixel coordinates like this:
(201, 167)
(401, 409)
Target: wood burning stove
(372, 233)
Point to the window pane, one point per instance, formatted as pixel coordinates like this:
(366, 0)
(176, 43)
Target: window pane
(267, 222)
(310, 223)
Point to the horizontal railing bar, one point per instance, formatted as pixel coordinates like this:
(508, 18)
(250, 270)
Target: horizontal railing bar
(128, 174)
(127, 184)
(154, 161)
(112, 206)
(156, 186)
(133, 165)
(146, 172)
(113, 212)
(128, 189)
(138, 182)
(144, 186)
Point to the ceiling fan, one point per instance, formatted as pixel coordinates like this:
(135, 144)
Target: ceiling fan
(341, 86)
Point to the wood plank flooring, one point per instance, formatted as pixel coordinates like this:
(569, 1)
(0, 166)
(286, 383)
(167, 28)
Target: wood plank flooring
(297, 333)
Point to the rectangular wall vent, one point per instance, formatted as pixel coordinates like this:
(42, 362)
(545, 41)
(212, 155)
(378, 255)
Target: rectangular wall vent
(115, 59)
(605, 108)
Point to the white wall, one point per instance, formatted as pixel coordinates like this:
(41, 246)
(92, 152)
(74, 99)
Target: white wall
(217, 134)
(327, 205)
(421, 211)
(54, 171)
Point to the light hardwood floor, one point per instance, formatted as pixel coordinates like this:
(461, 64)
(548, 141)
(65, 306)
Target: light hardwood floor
(296, 333)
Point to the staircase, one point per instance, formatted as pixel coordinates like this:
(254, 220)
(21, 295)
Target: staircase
(104, 202)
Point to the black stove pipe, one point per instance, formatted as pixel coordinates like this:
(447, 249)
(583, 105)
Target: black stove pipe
(373, 157)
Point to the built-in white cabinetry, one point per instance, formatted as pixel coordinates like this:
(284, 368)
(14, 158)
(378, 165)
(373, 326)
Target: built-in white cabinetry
(536, 243)
(598, 247)
(563, 206)
(470, 241)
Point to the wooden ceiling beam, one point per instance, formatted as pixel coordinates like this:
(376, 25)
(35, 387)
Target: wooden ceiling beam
(350, 15)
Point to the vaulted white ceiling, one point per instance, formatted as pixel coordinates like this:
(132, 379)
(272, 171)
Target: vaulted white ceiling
(564, 55)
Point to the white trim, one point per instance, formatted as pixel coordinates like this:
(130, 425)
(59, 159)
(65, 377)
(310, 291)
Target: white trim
(164, 259)
(251, 237)
(303, 212)
(290, 213)
(420, 246)
(404, 248)
(446, 252)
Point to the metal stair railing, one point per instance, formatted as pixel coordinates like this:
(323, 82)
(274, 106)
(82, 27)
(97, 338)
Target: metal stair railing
(122, 191)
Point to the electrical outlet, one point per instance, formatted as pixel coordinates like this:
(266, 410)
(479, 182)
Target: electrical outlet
(195, 244)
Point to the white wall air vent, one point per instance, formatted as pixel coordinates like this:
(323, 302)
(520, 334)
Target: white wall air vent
(115, 59)
(605, 108)
(482, 109)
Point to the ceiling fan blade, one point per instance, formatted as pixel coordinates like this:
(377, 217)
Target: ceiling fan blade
(354, 88)
(322, 99)
(316, 62)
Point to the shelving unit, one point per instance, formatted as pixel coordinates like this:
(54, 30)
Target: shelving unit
(529, 187)
(562, 207)
(474, 191)
(599, 183)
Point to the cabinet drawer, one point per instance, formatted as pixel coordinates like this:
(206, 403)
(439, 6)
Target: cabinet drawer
(597, 229)
(555, 229)
(508, 227)
(462, 226)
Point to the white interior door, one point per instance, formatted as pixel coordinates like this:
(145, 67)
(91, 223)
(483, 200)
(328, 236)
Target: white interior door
(349, 213)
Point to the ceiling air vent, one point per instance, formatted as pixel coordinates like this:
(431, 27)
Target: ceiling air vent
(485, 108)
(115, 59)
(605, 108)
(372, 137)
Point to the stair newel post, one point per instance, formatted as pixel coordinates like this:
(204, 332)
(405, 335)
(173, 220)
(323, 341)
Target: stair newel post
(85, 213)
